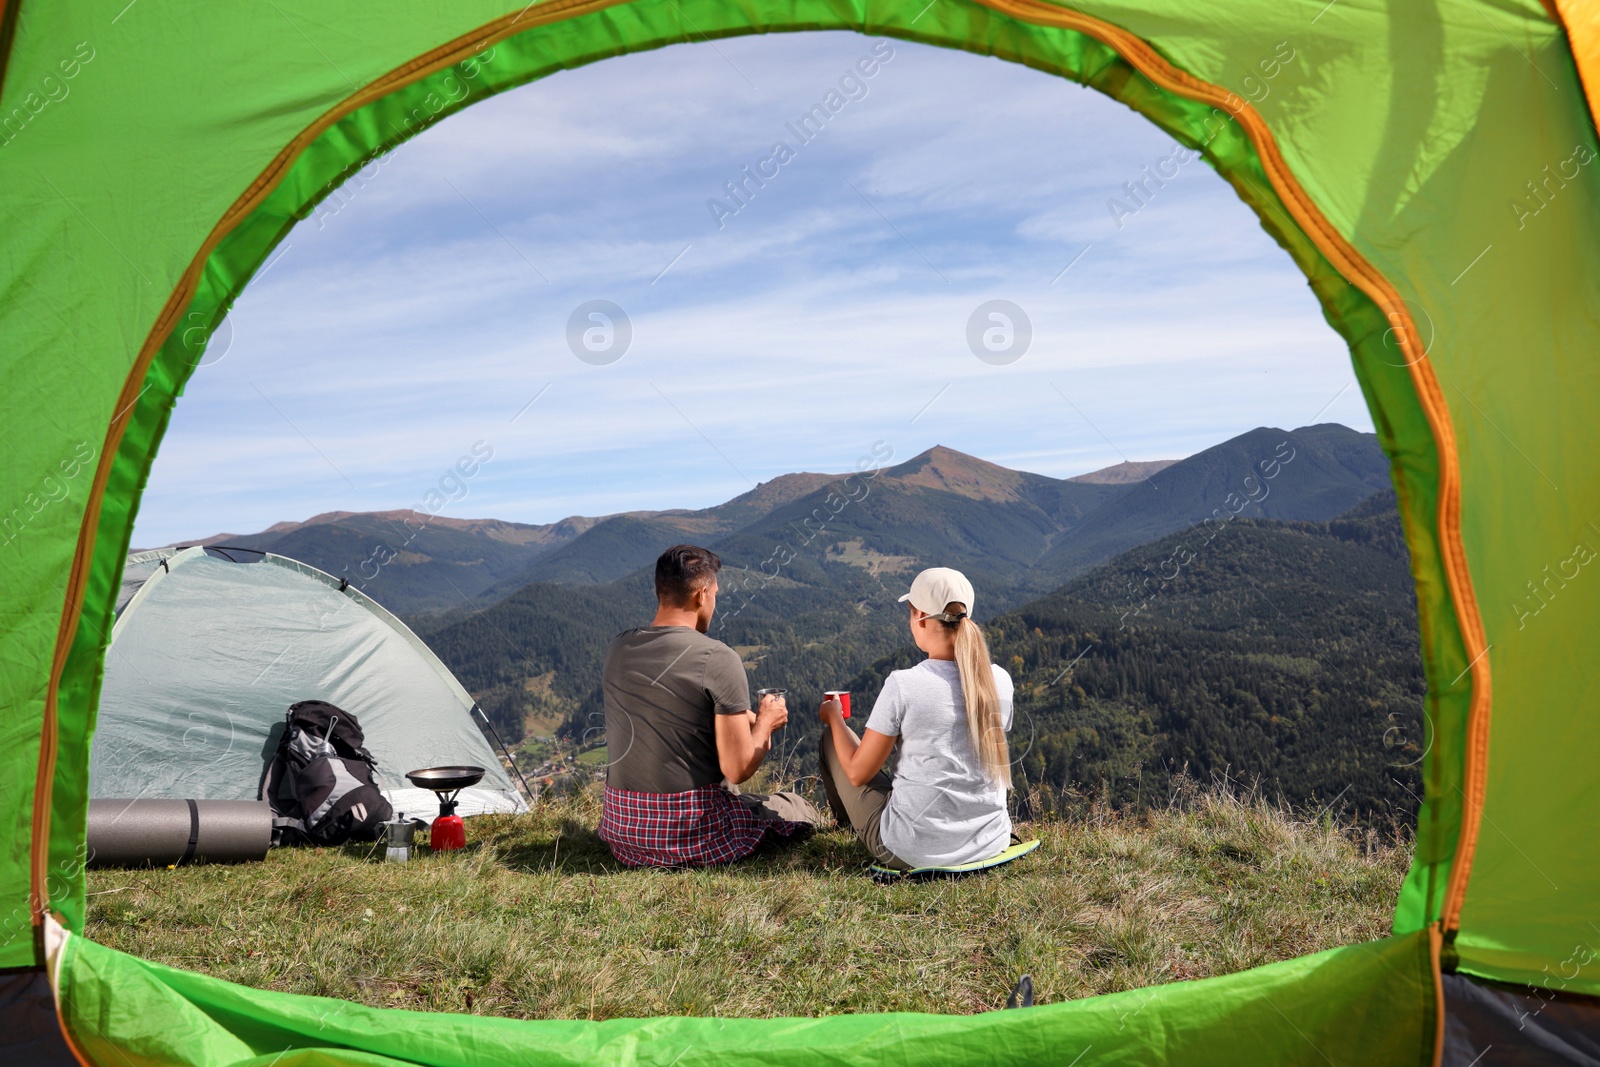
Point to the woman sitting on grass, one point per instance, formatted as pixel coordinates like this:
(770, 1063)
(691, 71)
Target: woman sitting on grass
(947, 802)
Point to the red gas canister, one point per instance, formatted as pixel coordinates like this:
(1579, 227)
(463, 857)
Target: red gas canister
(448, 833)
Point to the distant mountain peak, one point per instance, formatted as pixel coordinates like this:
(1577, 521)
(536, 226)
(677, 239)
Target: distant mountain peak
(1124, 473)
(950, 471)
(778, 491)
(411, 520)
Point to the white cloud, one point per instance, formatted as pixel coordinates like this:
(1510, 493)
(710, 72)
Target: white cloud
(403, 326)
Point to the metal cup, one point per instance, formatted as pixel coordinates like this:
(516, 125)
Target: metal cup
(779, 694)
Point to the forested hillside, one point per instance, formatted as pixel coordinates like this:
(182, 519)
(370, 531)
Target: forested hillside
(1278, 652)
(533, 660)
(1273, 638)
(1283, 653)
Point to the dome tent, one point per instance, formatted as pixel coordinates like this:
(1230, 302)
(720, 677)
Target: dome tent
(1426, 165)
(210, 648)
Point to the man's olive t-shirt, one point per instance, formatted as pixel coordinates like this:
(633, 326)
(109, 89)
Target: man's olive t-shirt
(663, 687)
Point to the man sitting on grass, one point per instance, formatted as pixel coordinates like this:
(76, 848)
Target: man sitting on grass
(678, 722)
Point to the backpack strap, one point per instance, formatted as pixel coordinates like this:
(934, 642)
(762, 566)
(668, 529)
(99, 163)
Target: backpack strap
(287, 831)
(272, 776)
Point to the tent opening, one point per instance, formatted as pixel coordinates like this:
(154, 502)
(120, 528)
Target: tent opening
(1073, 366)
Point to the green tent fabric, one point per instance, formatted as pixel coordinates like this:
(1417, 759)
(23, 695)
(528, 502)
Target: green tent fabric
(210, 648)
(1296, 1012)
(1428, 166)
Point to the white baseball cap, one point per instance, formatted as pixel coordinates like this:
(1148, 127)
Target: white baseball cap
(937, 586)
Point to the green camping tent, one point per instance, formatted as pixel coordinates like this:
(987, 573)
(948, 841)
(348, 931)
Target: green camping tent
(1427, 164)
(212, 645)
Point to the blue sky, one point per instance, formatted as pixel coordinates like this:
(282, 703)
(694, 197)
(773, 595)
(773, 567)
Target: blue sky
(419, 313)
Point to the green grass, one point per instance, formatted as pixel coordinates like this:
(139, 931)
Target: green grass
(535, 919)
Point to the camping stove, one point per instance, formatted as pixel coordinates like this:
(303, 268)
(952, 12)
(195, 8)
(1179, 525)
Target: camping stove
(447, 833)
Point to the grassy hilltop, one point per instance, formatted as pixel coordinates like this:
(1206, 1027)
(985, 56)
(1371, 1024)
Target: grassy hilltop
(1277, 648)
(535, 919)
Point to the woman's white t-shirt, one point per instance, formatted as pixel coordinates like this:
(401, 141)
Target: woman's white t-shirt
(943, 811)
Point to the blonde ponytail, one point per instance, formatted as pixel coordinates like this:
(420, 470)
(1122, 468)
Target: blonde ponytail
(985, 718)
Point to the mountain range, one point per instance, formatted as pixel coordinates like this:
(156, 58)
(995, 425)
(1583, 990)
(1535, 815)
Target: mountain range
(1268, 652)
(1026, 533)
(1244, 612)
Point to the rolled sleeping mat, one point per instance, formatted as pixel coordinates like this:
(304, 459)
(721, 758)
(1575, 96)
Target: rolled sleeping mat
(165, 833)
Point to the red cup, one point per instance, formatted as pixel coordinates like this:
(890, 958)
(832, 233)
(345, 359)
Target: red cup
(842, 696)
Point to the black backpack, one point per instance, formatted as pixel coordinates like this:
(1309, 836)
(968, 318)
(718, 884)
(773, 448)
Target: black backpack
(319, 782)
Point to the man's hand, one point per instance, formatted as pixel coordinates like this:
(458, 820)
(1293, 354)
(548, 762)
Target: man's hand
(744, 740)
(771, 714)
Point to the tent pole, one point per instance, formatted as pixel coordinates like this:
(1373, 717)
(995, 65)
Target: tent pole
(525, 787)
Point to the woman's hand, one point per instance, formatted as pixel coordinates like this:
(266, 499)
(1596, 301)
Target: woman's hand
(830, 711)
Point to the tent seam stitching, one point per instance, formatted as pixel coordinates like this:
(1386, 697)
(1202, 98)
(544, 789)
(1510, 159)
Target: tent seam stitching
(1348, 261)
(396, 79)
